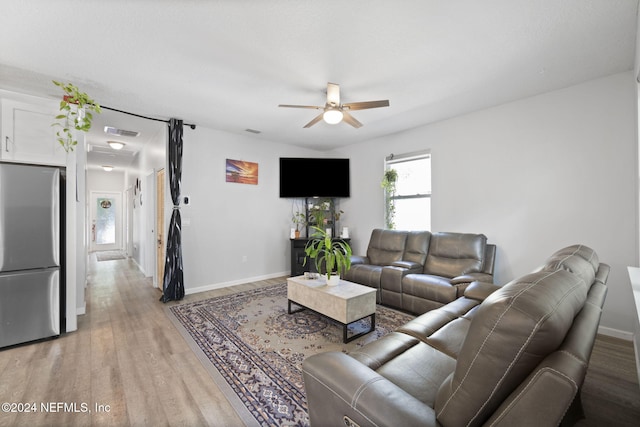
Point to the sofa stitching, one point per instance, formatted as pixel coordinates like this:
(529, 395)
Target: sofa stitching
(362, 389)
(485, 341)
(526, 388)
(375, 361)
(340, 397)
(543, 319)
(579, 247)
(573, 356)
(566, 294)
(483, 345)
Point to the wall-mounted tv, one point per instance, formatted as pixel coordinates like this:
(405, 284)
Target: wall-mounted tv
(314, 177)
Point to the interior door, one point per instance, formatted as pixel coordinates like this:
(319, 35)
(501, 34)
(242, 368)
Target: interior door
(160, 228)
(106, 221)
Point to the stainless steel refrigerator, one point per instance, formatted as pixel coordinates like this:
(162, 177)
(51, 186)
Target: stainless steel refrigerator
(31, 252)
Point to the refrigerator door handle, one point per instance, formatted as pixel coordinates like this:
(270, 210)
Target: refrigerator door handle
(6, 144)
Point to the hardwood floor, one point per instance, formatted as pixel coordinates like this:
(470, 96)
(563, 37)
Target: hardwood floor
(126, 357)
(128, 366)
(610, 393)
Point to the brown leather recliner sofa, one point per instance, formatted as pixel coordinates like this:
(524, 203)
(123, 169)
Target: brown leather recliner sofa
(499, 356)
(417, 271)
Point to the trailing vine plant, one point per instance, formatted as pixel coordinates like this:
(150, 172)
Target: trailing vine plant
(389, 186)
(75, 113)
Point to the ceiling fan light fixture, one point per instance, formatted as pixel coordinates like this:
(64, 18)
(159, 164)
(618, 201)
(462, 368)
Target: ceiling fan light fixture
(107, 168)
(116, 145)
(332, 116)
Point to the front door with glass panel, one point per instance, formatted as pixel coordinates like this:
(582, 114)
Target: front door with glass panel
(106, 221)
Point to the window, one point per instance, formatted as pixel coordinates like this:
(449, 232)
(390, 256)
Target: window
(409, 206)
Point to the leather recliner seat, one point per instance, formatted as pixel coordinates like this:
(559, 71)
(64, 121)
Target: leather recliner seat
(417, 271)
(503, 356)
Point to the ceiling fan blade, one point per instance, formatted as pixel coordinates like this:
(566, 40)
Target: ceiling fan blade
(314, 121)
(333, 94)
(348, 118)
(365, 105)
(314, 107)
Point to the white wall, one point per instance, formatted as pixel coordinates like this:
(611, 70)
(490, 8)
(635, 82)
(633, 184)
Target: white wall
(533, 175)
(152, 158)
(99, 180)
(232, 232)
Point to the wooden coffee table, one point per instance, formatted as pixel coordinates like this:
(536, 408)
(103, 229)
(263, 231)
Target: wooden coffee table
(345, 303)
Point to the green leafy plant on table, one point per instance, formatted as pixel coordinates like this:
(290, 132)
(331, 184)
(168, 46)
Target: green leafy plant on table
(333, 256)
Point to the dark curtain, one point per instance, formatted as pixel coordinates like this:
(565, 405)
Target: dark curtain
(173, 283)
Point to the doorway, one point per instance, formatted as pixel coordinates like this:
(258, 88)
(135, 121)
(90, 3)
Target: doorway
(160, 228)
(106, 221)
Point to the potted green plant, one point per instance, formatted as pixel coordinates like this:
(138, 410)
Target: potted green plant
(333, 256)
(75, 112)
(388, 184)
(317, 213)
(299, 219)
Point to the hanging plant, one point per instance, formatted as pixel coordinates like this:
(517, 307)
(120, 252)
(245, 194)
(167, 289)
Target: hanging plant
(389, 186)
(75, 114)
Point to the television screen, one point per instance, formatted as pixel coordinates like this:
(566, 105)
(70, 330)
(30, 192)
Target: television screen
(314, 177)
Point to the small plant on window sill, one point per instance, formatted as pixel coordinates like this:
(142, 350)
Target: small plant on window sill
(389, 186)
(75, 114)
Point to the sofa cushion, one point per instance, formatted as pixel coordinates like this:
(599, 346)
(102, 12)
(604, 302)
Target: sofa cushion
(386, 246)
(582, 251)
(426, 324)
(412, 365)
(513, 330)
(433, 288)
(365, 274)
(416, 246)
(577, 259)
(455, 254)
(449, 338)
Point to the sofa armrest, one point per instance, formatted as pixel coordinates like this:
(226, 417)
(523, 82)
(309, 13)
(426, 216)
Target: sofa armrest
(410, 266)
(472, 277)
(392, 275)
(359, 259)
(479, 291)
(338, 386)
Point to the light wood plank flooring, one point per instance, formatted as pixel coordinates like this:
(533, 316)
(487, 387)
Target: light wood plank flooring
(128, 357)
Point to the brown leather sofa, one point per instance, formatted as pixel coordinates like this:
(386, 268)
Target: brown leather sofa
(417, 271)
(500, 356)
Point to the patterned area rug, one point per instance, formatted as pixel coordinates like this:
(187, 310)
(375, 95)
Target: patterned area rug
(109, 255)
(254, 350)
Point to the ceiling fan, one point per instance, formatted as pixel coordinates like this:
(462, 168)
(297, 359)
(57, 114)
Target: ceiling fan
(334, 112)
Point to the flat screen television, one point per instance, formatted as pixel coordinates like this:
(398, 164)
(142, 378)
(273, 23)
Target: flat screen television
(306, 177)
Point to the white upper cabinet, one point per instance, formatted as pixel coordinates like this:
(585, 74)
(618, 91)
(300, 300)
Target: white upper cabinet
(27, 134)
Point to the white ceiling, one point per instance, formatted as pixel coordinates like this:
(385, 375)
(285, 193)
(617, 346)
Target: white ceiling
(227, 64)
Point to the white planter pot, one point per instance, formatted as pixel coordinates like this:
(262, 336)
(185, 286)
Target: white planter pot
(334, 280)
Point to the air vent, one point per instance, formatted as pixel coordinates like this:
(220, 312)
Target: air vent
(120, 132)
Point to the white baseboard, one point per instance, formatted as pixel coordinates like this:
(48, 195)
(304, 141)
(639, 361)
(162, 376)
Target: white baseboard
(138, 266)
(81, 310)
(234, 282)
(615, 333)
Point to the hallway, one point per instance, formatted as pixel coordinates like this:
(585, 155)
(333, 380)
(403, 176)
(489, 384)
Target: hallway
(126, 364)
